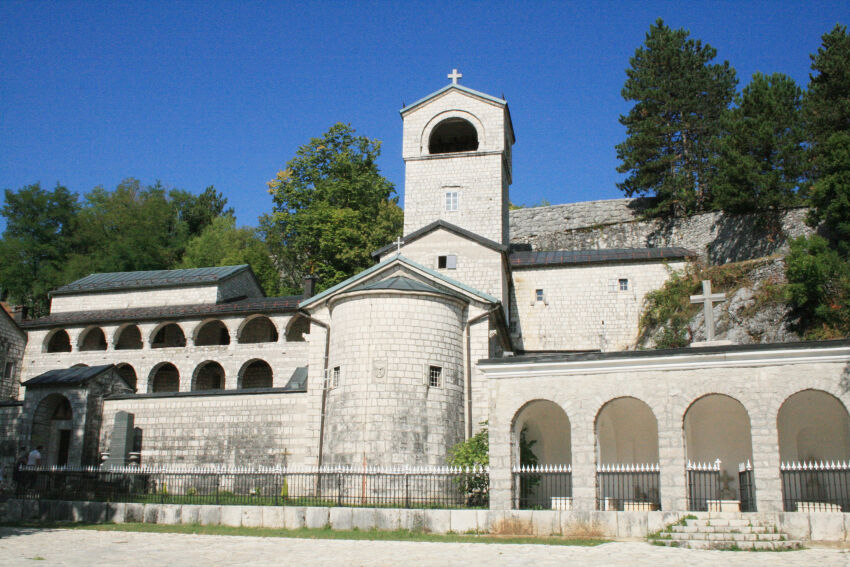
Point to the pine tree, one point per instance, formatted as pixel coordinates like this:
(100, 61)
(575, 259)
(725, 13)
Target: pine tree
(761, 159)
(680, 99)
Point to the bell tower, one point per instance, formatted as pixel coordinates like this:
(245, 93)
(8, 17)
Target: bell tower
(457, 156)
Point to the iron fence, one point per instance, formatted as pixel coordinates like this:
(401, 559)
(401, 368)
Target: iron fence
(703, 485)
(543, 487)
(626, 487)
(746, 486)
(816, 487)
(404, 487)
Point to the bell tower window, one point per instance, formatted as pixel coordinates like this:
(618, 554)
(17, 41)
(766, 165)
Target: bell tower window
(453, 135)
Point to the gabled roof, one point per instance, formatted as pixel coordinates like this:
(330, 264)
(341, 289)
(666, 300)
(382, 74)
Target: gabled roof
(150, 279)
(283, 304)
(4, 312)
(398, 283)
(399, 259)
(68, 376)
(440, 223)
(520, 260)
(450, 86)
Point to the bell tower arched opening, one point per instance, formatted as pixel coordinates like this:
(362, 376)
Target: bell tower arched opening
(453, 135)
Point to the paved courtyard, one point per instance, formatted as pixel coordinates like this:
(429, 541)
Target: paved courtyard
(127, 549)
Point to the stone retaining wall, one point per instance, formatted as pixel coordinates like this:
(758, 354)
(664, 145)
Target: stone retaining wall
(798, 525)
(616, 223)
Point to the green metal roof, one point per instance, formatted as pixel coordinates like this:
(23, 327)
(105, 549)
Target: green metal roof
(399, 283)
(149, 279)
(68, 376)
(473, 92)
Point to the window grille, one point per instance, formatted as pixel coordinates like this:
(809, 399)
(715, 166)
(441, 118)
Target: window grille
(435, 375)
(451, 200)
(539, 296)
(623, 284)
(335, 379)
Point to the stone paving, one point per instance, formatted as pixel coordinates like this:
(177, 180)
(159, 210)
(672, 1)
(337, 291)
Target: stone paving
(127, 549)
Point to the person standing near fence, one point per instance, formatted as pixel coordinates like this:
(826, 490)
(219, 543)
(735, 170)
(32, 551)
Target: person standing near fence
(33, 460)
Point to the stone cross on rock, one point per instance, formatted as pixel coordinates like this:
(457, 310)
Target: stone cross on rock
(454, 76)
(708, 299)
(398, 244)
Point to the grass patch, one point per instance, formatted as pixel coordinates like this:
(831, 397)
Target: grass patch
(318, 533)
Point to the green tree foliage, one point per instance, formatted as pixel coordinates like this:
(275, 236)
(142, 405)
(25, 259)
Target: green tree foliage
(819, 287)
(819, 269)
(223, 244)
(761, 161)
(332, 208)
(672, 130)
(35, 243)
(473, 453)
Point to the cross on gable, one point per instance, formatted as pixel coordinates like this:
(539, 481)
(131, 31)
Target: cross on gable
(454, 76)
(398, 244)
(708, 299)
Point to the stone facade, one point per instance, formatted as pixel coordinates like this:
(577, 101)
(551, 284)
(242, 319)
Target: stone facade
(616, 223)
(583, 306)
(12, 344)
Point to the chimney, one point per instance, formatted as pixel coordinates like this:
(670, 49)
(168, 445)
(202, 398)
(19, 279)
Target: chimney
(309, 286)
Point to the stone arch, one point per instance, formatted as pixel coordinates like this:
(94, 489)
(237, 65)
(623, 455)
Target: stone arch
(164, 377)
(717, 426)
(128, 373)
(57, 341)
(211, 332)
(257, 329)
(813, 425)
(453, 135)
(296, 328)
(168, 335)
(626, 432)
(255, 373)
(52, 429)
(128, 337)
(208, 375)
(446, 118)
(92, 339)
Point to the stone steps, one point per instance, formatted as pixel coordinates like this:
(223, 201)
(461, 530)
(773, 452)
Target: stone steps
(729, 530)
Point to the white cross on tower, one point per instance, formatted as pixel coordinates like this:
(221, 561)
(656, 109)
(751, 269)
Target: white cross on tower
(398, 244)
(707, 299)
(454, 76)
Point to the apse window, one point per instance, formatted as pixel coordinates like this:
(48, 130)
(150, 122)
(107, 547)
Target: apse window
(448, 262)
(451, 201)
(435, 376)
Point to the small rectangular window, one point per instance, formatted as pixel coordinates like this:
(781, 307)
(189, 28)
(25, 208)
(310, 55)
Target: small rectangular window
(512, 327)
(447, 262)
(624, 284)
(435, 375)
(451, 200)
(10, 369)
(538, 296)
(335, 378)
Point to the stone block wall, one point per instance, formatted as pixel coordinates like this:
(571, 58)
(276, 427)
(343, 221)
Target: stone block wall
(615, 223)
(382, 407)
(10, 417)
(232, 428)
(12, 344)
(583, 307)
(128, 299)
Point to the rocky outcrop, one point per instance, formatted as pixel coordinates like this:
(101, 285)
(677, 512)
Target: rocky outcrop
(616, 223)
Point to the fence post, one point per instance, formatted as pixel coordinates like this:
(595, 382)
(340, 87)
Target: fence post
(339, 489)
(407, 490)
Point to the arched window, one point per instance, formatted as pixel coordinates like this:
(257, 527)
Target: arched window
(258, 330)
(164, 378)
(128, 338)
(93, 339)
(128, 374)
(296, 328)
(59, 342)
(212, 333)
(453, 135)
(813, 426)
(256, 374)
(208, 376)
(170, 335)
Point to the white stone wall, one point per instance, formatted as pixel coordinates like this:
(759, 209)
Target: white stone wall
(383, 408)
(480, 267)
(668, 385)
(123, 299)
(282, 356)
(578, 301)
(230, 429)
(12, 344)
(481, 177)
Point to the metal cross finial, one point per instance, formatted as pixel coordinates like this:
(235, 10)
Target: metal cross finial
(708, 299)
(398, 244)
(454, 76)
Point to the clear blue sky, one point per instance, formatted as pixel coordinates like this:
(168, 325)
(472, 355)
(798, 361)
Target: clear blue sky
(223, 93)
